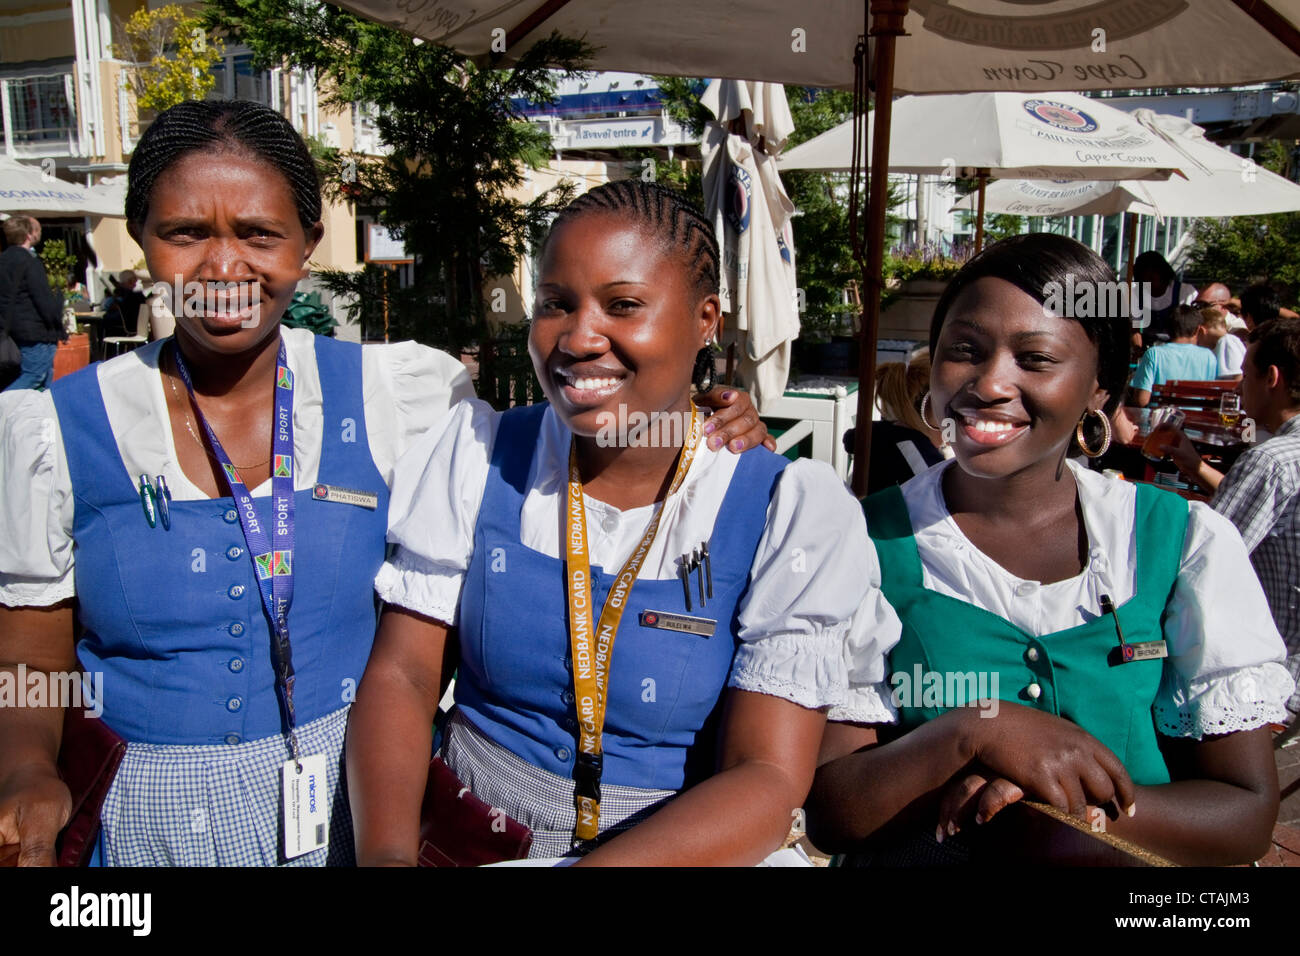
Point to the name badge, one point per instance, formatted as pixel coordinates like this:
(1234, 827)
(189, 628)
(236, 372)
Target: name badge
(345, 496)
(1144, 651)
(306, 815)
(702, 626)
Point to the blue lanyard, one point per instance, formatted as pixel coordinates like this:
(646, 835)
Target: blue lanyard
(272, 562)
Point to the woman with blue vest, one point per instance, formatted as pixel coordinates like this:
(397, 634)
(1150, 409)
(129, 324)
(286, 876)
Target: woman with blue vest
(648, 633)
(216, 507)
(1087, 642)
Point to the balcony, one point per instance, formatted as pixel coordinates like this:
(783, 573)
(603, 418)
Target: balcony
(40, 117)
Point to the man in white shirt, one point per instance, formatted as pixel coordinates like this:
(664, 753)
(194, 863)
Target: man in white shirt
(1228, 350)
(1218, 296)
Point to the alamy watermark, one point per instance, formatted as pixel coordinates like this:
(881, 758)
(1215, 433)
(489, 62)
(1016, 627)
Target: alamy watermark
(1087, 299)
(947, 689)
(240, 299)
(637, 429)
(20, 687)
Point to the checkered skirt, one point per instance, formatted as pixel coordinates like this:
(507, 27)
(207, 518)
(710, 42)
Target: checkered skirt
(535, 797)
(220, 805)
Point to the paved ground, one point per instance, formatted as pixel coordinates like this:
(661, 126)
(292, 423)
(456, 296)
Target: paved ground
(1286, 836)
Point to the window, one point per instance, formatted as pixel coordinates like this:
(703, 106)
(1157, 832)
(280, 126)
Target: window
(40, 107)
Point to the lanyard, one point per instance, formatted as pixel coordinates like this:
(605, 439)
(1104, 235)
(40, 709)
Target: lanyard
(592, 652)
(272, 562)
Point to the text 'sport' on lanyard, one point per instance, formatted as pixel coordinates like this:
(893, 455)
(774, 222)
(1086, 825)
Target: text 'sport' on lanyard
(272, 562)
(592, 650)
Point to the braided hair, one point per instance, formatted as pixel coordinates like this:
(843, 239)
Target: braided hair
(232, 125)
(675, 222)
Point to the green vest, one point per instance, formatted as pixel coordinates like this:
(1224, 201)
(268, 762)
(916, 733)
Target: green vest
(950, 651)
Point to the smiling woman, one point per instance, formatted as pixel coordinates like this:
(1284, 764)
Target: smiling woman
(175, 494)
(648, 632)
(1124, 631)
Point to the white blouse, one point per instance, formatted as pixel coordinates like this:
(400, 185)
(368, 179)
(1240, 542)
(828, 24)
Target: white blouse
(1224, 670)
(814, 580)
(406, 389)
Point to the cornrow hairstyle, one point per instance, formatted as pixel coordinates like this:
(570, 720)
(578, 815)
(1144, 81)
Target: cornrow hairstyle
(214, 125)
(678, 224)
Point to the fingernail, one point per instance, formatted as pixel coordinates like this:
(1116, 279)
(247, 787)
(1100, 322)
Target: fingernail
(728, 396)
(715, 442)
(938, 833)
(710, 427)
(979, 818)
(952, 828)
(1132, 809)
(738, 445)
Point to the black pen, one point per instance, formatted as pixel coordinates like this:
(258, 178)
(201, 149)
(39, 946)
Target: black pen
(708, 565)
(685, 571)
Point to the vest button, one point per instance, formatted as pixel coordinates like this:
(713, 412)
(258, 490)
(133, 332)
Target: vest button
(1031, 654)
(236, 628)
(236, 665)
(562, 753)
(1034, 691)
(231, 516)
(609, 523)
(234, 552)
(232, 739)
(234, 704)
(1026, 588)
(236, 592)
(567, 696)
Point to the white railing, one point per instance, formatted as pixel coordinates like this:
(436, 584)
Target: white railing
(40, 115)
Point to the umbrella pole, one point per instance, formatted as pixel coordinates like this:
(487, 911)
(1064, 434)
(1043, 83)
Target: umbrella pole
(1130, 226)
(979, 220)
(886, 24)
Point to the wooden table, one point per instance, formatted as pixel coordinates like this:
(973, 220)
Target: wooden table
(1218, 444)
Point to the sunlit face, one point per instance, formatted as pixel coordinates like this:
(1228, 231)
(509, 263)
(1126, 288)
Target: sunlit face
(226, 223)
(1013, 380)
(617, 321)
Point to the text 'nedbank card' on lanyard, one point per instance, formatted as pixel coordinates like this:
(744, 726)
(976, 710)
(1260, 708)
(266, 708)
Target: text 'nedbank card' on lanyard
(272, 556)
(592, 651)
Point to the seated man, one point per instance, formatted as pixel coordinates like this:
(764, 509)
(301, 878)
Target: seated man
(1260, 494)
(1216, 295)
(1228, 349)
(1180, 359)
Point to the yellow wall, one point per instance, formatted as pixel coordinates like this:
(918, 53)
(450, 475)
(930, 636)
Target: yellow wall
(41, 39)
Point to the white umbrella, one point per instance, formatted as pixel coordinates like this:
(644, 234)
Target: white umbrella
(1053, 135)
(26, 188)
(1222, 184)
(751, 214)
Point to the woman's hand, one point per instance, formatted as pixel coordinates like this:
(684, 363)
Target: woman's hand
(1050, 758)
(734, 422)
(977, 796)
(1123, 427)
(34, 806)
(1184, 454)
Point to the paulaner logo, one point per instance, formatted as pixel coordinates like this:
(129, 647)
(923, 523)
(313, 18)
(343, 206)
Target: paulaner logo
(66, 689)
(946, 689)
(75, 908)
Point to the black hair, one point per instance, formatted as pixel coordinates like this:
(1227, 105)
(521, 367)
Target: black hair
(679, 225)
(209, 125)
(1155, 262)
(1187, 319)
(1277, 342)
(1260, 302)
(1046, 266)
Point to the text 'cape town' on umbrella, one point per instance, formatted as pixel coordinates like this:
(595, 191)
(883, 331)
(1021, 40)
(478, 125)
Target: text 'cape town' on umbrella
(751, 215)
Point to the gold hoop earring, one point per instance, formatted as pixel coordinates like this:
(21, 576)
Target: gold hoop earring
(1105, 428)
(925, 402)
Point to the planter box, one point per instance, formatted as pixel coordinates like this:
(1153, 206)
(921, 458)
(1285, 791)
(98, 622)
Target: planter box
(72, 355)
(909, 316)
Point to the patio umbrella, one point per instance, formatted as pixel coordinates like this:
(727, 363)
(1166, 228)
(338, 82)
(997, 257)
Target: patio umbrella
(938, 47)
(25, 188)
(1221, 184)
(751, 214)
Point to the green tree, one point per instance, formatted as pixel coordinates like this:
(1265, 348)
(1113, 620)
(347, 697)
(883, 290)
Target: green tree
(171, 54)
(459, 149)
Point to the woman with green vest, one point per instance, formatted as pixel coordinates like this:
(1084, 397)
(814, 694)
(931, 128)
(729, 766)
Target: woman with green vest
(1095, 644)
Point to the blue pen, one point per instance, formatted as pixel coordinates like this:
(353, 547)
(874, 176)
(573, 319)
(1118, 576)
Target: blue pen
(162, 495)
(147, 500)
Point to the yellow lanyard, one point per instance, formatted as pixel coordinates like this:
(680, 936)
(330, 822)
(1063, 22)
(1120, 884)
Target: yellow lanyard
(591, 653)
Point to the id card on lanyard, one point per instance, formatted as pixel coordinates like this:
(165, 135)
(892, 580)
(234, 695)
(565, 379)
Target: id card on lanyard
(592, 650)
(270, 546)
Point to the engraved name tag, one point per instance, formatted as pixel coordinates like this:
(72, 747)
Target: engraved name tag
(1144, 651)
(702, 626)
(345, 496)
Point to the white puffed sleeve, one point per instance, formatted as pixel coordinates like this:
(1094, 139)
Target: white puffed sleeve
(36, 507)
(1224, 671)
(408, 388)
(437, 489)
(811, 591)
